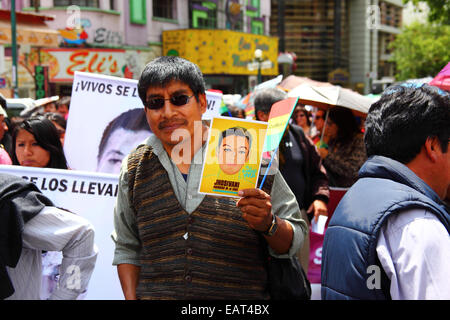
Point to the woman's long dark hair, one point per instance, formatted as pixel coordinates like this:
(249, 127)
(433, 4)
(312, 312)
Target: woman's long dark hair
(46, 135)
(346, 123)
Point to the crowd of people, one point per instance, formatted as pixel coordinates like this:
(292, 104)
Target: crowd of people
(37, 132)
(172, 242)
(37, 141)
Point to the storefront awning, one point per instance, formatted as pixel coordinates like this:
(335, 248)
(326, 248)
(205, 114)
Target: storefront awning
(30, 28)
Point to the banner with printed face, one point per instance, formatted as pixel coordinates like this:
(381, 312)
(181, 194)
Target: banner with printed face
(233, 156)
(92, 196)
(107, 120)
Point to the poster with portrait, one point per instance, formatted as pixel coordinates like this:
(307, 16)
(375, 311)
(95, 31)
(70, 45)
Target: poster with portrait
(106, 121)
(233, 156)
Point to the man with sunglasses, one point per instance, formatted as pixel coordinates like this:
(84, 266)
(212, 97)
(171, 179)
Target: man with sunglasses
(174, 243)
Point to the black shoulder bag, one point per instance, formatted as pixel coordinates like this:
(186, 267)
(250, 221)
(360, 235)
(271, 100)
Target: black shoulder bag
(286, 278)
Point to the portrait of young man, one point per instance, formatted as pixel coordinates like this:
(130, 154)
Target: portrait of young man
(233, 149)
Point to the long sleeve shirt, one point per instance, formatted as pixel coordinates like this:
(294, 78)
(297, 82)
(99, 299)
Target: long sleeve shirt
(126, 236)
(414, 251)
(54, 229)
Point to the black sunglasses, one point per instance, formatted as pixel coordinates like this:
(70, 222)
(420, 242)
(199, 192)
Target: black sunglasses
(158, 103)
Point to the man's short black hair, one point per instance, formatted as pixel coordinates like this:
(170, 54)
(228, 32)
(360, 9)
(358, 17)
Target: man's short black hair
(266, 98)
(160, 71)
(398, 124)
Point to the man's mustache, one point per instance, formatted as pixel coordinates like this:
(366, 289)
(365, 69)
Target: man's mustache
(171, 122)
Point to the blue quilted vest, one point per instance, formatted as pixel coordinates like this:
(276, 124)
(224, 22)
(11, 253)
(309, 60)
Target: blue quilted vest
(385, 187)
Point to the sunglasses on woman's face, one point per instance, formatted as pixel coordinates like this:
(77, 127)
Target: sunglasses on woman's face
(158, 103)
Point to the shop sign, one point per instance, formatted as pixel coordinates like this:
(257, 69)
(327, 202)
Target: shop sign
(339, 76)
(64, 62)
(221, 51)
(41, 80)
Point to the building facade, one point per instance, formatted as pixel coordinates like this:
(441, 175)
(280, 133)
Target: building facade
(118, 38)
(345, 42)
(373, 26)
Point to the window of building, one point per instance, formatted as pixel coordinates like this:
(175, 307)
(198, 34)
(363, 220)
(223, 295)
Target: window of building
(138, 12)
(203, 14)
(163, 9)
(81, 3)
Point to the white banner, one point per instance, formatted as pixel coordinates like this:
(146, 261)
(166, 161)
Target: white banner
(103, 106)
(107, 120)
(92, 196)
(214, 101)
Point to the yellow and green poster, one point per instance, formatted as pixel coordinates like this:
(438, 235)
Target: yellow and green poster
(233, 156)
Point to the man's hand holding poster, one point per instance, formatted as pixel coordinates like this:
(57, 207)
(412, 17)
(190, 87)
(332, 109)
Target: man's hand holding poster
(233, 156)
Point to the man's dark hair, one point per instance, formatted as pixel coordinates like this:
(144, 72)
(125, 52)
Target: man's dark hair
(133, 119)
(236, 131)
(398, 124)
(265, 98)
(46, 135)
(162, 70)
(56, 117)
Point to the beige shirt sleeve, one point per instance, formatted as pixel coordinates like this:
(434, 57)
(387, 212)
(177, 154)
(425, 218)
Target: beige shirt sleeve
(125, 234)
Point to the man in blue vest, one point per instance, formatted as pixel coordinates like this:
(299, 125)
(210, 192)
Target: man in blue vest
(389, 236)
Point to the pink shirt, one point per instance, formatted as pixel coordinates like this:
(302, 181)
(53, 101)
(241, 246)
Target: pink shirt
(4, 157)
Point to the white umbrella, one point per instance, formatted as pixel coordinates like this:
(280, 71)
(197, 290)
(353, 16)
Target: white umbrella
(326, 97)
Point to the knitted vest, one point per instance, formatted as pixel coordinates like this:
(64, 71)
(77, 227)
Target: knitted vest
(211, 253)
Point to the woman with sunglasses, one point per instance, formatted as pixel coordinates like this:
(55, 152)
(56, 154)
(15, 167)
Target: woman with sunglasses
(346, 152)
(301, 118)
